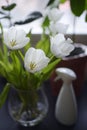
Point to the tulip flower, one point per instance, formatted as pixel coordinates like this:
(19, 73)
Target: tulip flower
(15, 38)
(61, 47)
(35, 60)
(54, 14)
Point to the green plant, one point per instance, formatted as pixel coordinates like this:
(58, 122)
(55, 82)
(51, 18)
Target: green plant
(77, 6)
(26, 67)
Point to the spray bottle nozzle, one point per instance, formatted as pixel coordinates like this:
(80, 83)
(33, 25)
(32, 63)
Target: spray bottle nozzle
(65, 74)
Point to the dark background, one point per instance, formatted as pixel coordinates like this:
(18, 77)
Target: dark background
(49, 123)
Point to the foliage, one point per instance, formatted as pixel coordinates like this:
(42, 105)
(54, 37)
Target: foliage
(77, 6)
(6, 11)
(26, 67)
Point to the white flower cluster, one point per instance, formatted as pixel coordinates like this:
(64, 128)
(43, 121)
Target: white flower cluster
(36, 59)
(60, 46)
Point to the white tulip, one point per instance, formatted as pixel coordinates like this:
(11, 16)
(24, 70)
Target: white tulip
(15, 38)
(35, 60)
(57, 28)
(61, 47)
(55, 14)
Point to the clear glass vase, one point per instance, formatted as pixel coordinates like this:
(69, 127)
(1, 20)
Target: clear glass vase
(28, 107)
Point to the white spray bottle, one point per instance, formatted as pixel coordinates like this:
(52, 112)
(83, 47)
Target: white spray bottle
(66, 106)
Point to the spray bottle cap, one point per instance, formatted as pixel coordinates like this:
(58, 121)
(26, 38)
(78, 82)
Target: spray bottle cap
(65, 74)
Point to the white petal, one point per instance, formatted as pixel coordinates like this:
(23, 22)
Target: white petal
(55, 3)
(29, 55)
(5, 36)
(37, 58)
(52, 28)
(21, 37)
(58, 28)
(61, 47)
(16, 36)
(57, 39)
(67, 48)
(55, 14)
(12, 33)
(69, 40)
(55, 50)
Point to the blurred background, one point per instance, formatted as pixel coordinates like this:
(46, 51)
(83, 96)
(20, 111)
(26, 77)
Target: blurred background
(24, 7)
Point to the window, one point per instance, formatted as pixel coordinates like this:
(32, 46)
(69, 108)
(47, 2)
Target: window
(24, 7)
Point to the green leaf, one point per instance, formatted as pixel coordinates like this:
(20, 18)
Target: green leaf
(77, 6)
(86, 17)
(4, 69)
(4, 94)
(48, 70)
(86, 4)
(62, 1)
(4, 66)
(21, 55)
(9, 7)
(33, 16)
(44, 44)
(50, 2)
(29, 34)
(17, 66)
(1, 27)
(15, 73)
(46, 22)
(27, 47)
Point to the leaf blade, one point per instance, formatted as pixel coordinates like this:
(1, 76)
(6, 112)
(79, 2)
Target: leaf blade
(33, 16)
(4, 94)
(9, 7)
(77, 6)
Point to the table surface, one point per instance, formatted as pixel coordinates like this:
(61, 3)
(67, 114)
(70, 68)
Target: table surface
(49, 123)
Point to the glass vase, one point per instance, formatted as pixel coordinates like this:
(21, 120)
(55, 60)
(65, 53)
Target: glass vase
(28, 107)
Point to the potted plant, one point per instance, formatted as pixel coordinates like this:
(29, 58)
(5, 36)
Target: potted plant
(25, 67)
